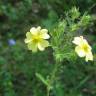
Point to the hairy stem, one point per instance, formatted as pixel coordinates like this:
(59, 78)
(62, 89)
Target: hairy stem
(52, 78)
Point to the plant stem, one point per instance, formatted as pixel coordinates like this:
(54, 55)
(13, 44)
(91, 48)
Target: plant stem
(52, 78)
(54, 73)
(48, 91)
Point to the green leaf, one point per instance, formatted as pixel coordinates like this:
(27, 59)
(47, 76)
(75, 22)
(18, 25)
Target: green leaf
(44, 81)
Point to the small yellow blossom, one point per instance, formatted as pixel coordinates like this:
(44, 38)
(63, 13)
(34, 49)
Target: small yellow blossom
(36, 39)
(83, 49)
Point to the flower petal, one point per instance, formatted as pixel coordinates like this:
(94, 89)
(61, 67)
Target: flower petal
(79, 51)
(44, 34)
(43, 44)
(89, 56)
(44, 30)
(78, 40)
(32, 46)
(38, 28)
(29, 37)
(33, 30)
(27, 40)
(40, 47)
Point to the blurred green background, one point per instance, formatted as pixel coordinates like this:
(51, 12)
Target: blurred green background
(18, 65)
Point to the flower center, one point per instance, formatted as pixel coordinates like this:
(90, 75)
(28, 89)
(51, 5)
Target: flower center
(36, 39)
(85, 48)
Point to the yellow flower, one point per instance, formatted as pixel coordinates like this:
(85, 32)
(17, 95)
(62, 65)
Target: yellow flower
(36, 39)
(83, 49)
